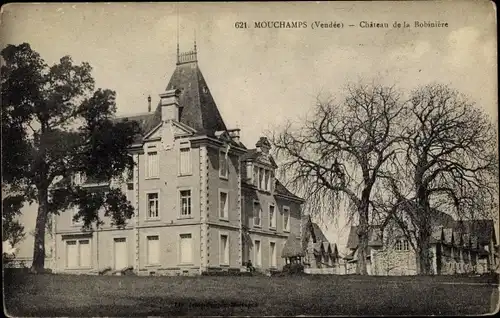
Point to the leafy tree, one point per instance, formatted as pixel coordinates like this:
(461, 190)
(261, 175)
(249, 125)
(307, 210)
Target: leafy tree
(338, 154)
(54, 125)
(448, 162)
(12, 229)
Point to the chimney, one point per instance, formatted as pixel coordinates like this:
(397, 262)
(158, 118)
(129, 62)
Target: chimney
(170, 105)
(235, 134)
(149, 103)
(263, 145)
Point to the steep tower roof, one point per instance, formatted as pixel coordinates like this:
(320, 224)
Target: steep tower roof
(197, 106)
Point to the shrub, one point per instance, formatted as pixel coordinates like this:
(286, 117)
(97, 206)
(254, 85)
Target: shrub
(293, 269)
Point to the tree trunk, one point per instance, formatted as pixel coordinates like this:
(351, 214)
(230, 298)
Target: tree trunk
(41, 220)
(424, 217)
(424, 258)
(363, 239)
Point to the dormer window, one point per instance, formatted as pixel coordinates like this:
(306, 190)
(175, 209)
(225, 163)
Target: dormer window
(262, 178)
(255, 176)
(267, 177)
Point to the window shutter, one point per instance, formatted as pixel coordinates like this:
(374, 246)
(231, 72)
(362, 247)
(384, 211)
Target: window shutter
(85, 255)
(186, 248)
(153, 250)
(185, 161)
(71, 254)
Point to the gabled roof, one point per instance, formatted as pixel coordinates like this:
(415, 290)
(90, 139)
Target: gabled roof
(280, 189)
(436, 234)
(466, 240)
(318, 233)
(373, 237)
(448, 236)
(253, 154)
(197, 106)
(142, 119)
(311, 229)
(318, 248)
(483, 229)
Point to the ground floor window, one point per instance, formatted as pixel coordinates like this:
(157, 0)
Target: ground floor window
(153, 250)
(186, 249)
(224, 250)
(258, 253)
(78, 253)
(272, 254)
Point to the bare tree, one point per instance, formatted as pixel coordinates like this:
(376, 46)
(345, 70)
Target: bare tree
(449, 163)
(336, 156)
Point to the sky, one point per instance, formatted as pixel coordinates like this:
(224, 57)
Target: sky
(261, 78)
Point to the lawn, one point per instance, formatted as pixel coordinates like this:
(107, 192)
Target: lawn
(67, 295)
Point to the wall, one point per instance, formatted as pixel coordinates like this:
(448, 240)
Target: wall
(168, 185)
(265, 240)
(169, 237)
(391, 262)
(214, 256)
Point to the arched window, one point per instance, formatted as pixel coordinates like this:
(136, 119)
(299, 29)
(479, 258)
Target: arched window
(402, 245)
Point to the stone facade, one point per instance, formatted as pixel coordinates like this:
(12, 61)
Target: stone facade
(193, 211)
(455, 248)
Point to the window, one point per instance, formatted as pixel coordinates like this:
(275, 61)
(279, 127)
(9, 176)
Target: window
(78, 254)
(186, 249)
(256, 176)
(258, 255)
(80, 178)
(402, 245)
(272, 254)
(272, 217)
(249, 172)
(257, 214)
(153, 170)
(185, 160)
(223, 205)
(153, 206)
(85, 255)
(267, 175)
(224, 250)
(185, 200)
(223, 165)
(153, 250)
(286, 219)
(271, 180)
(261, 178)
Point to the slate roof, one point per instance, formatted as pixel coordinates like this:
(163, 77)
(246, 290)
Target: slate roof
(373, 238)
(448, 236)
(253, 154)
(480, 231)
(436, 235)
(320, 242)
(144, 121)
(197, 106)
(280, 189)
(483, 229)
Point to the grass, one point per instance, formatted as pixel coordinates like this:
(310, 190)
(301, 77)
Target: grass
(67, 295)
